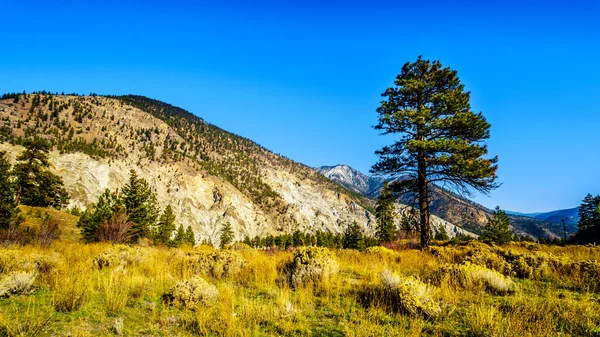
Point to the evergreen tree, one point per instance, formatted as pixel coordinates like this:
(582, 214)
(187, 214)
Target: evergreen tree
(384, 212)
(107, 206)
(588, 212)
(226, 235)
(408, 225)
(165, 227)
(353, 237)
(36, 186)
(589, 220)
(142, 207)
(189, 236)
(179, 236)
(7, 193)
(498, 228)
(440, 138)
(441, 234)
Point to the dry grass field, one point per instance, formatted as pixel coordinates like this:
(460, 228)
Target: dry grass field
(469, 289)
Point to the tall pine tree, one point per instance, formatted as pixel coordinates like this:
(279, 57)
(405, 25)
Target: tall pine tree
(440, 137)
(7, 193)
(36, 186)
(384, 212)
(142, 207)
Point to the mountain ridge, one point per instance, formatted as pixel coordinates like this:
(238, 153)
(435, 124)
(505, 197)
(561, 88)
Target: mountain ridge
(458, 210)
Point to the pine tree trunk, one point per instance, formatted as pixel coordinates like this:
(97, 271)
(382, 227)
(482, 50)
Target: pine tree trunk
(423, 203)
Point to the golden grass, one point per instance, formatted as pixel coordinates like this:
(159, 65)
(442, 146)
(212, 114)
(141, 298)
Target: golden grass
(553, 293)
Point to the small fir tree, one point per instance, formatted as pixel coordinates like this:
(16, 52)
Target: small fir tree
(109, 204)
(441, 234)
(165, 227)
(226, 235)
(353, 237)
(498, 228)
(179, 236)
(384, 212)
(189, 236)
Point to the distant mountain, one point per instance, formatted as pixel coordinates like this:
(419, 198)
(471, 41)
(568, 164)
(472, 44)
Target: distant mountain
(352, 179)
(449, 206)
(571, 216)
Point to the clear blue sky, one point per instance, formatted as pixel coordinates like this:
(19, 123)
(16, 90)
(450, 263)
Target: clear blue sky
(303, 78)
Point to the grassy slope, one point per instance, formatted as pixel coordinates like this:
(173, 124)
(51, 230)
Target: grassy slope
(34, 216)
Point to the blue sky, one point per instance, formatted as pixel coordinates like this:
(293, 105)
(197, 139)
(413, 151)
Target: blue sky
(303, 78)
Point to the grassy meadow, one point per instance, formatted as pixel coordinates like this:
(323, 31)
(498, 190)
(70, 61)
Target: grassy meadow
(469, 289)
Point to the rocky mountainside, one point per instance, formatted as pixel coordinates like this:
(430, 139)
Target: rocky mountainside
(456, 209)
(209, 176)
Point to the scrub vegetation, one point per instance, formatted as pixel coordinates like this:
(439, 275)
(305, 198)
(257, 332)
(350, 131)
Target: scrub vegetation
(467, 289)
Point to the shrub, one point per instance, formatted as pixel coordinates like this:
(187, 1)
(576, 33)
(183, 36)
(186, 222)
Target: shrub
(48, 232)
(117, 229)
(119, 255)
(472, 276)
(192, 293)
(216, 264)
(384, 253)
(310, 264)
(407, 294)
(17, 283)
(9, 260)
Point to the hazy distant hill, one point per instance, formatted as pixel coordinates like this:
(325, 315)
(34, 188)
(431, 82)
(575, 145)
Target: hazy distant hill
(447, 205)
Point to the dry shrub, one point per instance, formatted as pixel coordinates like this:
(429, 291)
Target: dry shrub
(17, 283)
(41, 265)
(407, 294)
(310, 264)
(192, 293)
(505, 261)
(119, 255)
(471, 276)
(384, 253)
(216, 264)
(9, 260)
(15, 234)
(116, 230)
(48, 232)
